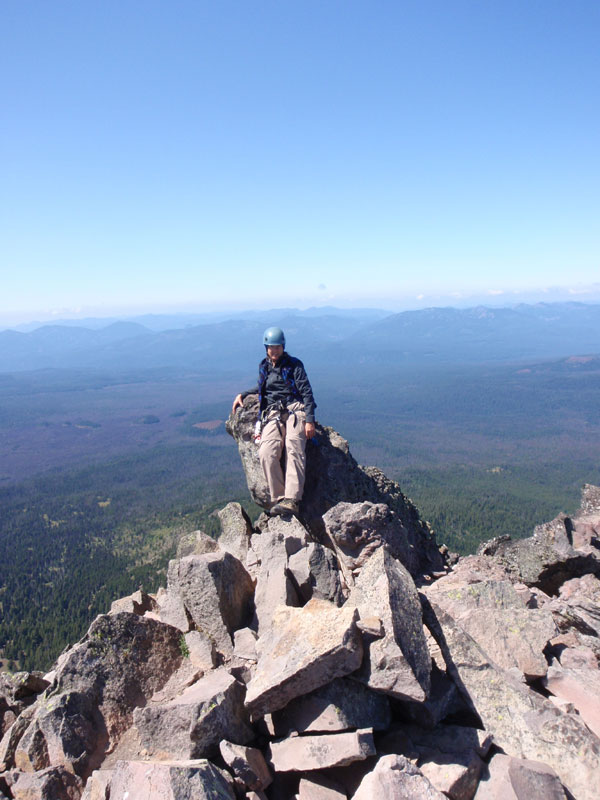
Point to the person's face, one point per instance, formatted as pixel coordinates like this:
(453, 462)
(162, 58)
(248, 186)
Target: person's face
(274, 352)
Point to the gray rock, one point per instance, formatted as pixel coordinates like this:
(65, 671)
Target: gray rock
(547, 559)
(12, 737)
(53, 783)
(510, 778)
(523, 724)
(201, 650)
(305, 648)
(333, 476)
(192, 725)
(121, 662)
(340, 705)
(195, 543)
(247, 764)
(399, 663)
(303, 753)
(170, 780)
(394, 777)
(357, 530)
(236, 530)
(318, 787)
(316, 573)
(456, 775)
(216, 592)
(274, 586)
(137, 603)
(244, 644)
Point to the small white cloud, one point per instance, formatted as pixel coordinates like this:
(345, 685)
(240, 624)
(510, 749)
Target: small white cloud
(420, 297)
(321, 287)
(495, 292)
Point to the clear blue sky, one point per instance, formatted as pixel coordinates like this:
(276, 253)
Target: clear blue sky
(206, 153)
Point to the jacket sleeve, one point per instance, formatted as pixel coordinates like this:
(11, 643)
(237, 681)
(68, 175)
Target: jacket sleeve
(305, 389)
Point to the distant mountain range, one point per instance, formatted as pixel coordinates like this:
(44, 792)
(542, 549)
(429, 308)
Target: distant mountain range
(318, 336)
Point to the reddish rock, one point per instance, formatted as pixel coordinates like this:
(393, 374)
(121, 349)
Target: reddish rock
(510, 778)
(53, 783)
(304, 753)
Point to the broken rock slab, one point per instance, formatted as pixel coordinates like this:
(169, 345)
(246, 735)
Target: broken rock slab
(340, 705)
(248, 764)
(169, 780)
(508, 778)
(496, 616)
(304, 648)
(394, 777)
(524, 724)
(195, 544)
(318, 787)
(53, 783)
(398, 663)
(192, 725)
(581, 687)
(314, 752)
(316, 573)
(236, 531)
(216, 592)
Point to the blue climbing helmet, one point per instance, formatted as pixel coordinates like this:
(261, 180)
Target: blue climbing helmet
(274, 336)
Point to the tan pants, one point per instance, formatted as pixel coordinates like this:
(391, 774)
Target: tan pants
(285, 428)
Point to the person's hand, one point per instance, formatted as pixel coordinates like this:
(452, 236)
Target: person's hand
(237, 403)
(309, 429)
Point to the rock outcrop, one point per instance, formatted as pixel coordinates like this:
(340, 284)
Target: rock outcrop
(327, 657)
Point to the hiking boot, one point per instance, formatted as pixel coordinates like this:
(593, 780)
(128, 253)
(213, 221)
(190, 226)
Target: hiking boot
(285, 506)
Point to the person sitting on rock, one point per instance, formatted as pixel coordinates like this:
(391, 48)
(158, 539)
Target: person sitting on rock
(286, 421)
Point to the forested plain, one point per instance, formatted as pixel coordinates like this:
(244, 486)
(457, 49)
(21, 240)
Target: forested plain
(102, 472)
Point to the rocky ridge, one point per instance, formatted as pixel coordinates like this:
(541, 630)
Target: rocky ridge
(338, 655)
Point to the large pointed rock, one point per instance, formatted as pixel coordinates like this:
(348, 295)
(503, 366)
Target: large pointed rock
(357, 530)
(579, 686)
(398, 663)
(236, 531)
(523, 724)
(305, 648)
(215, 591)
(316, 573)
(123, 660)
(52, 783)
(193, 723)
(333, 476)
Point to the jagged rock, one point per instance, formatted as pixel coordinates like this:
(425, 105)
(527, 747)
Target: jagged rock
(548, 558)
(357, 530)
(581, 687)
(121, 662)
(216, 592)
(582, 597)
(333, 476)
(340, 705)
(53, 783)
(17, 692)
(305, 648)
(316, 573)
(395, 777)
(456, 775)
(236, 531)
(495, 614)
(244, 644)
(12, 737)
(192, 724)
(137, 603)
(523, 724)
(303, 753)
(398, 663)
(509, 778)
(274, 586)
(168, 780)
(195, 543)
(319, 788)
(97, 786)
(248, 764)
(201, 650)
